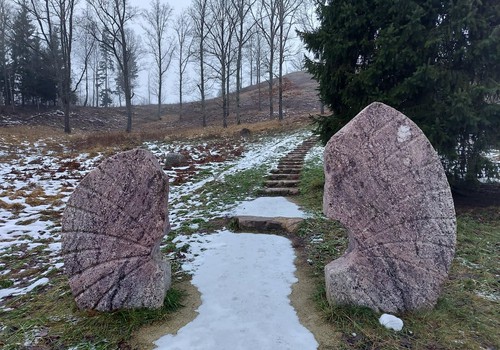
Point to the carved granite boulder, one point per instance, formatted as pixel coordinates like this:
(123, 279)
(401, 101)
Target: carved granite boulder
(385, 183)
(111, 232)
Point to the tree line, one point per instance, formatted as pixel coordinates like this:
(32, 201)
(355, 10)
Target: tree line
(52, 49)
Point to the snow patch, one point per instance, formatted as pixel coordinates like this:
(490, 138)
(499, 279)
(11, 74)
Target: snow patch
(18, 291)
(391, 322)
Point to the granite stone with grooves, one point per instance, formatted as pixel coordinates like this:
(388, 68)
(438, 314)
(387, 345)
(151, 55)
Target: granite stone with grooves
(386, 185)
(111, 232)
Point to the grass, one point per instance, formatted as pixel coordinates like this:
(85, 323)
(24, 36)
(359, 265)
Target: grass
(466, 315)
(49, 319)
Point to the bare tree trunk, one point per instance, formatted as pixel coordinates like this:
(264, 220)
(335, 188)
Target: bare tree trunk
(126, 78)
(202, 87)
(280, 61)
(86, 88)
(158, 109)
(180, 89)
(271, 58)
(238, 85)
(224, 98)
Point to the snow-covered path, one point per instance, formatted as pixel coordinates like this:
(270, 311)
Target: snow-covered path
(245, 280)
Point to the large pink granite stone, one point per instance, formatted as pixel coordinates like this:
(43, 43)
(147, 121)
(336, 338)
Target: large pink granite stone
(111, 232)
(385, 183)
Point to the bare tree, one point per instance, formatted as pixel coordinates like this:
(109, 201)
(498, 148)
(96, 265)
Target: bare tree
(95, 59)
(275, 19)
(198, 13)
(112, 18)
(243, 34)
(160, 45)
(55, 23)
(134, 51)
(219, 46)
(87, 46)
(256, 55)
(266, 17)
(287, 14)
(184, 40)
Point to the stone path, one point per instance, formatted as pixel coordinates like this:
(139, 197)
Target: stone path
(285, 179)
(281, 182)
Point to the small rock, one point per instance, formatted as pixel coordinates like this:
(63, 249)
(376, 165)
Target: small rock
(245, 133)
(391, 322)
(174, 159)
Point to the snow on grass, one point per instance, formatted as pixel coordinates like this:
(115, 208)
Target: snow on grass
(315, 154)
(245, 280)
(184, 203)
(36, 182)
(18, 291)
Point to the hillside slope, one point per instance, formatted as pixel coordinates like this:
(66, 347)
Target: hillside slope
(299, 100)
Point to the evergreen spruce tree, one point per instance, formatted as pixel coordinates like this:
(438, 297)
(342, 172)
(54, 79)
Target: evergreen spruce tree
(436, 61)
(22, 43)
(5, 67)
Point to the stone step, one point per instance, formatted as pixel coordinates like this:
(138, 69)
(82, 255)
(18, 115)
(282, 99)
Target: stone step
(286, 171)
(280, 191)
(283, 176)
(291, 163)
(292, 160)
(290, 167)
(265, 224)
(297, 153)
(281, 183)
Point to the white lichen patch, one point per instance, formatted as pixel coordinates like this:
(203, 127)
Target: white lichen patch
(404, 133)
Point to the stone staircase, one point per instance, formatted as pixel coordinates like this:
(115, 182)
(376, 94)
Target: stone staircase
(284, 180)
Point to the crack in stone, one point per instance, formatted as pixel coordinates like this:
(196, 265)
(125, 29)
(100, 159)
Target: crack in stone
(119, 238)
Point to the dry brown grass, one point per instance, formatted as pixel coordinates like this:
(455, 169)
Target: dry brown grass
(13, 207)
(106, 141)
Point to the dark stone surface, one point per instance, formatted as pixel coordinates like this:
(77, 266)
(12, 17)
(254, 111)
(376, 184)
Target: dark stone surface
(386, 184)
(174, 159)
(111, 232)
(266, 224)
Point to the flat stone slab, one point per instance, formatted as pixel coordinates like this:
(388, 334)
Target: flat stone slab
(280, 191)
(285, 171)
(385, 183)
(268, 224)
(269, 207)
(283, 176)
(281, 183)
(112, 228)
